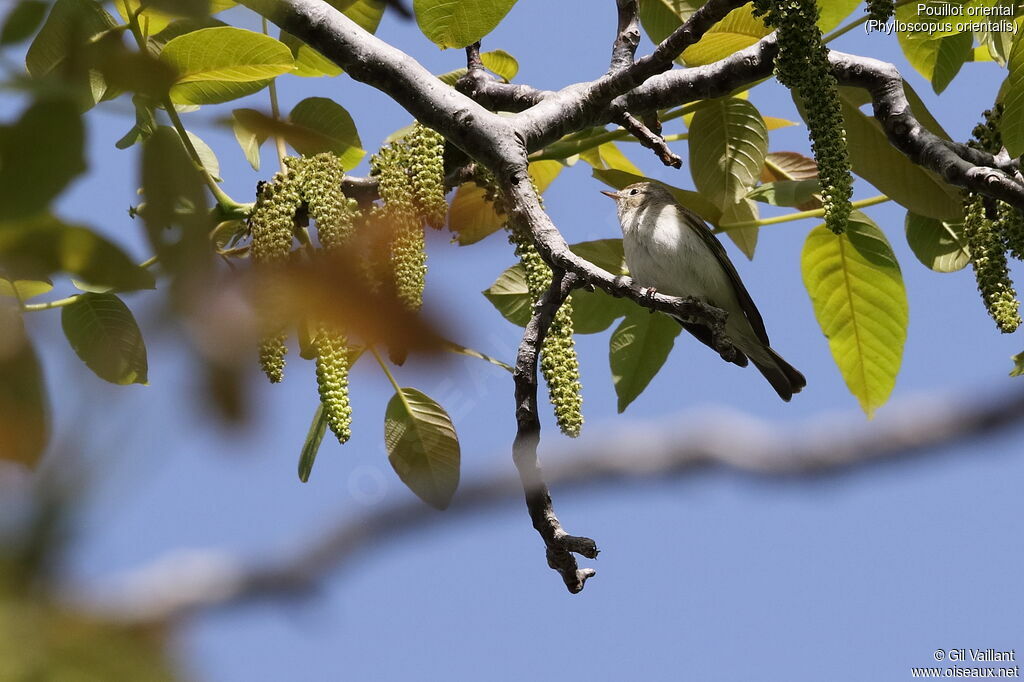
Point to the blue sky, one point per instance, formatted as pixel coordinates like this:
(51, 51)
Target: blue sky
(716, 576)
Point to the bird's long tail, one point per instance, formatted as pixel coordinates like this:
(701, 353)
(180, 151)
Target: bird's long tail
(784, 377)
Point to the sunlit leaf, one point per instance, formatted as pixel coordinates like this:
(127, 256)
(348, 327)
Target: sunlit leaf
(311, 445)
(458, 24)
(322, 125)
(24, 289)
(737, 31)
(860, 302)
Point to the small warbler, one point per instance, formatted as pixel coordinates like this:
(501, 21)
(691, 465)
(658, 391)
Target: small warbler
(670, 249)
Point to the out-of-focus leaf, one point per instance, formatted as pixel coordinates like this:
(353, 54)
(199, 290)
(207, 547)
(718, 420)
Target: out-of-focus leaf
(311, 445)
(34, 172)
(834, 11)
(158, 14)
(938, 245)
(24, 289)
(422, 446)
(638, 348)
(1018, 365)
(470, 216)
(860, 302)
(103, 333)
(308, 62)
(68, 27)
(458, 24)
(22, 21)
(175, 196)
(250, 131)
(24, 422)
(42, 246)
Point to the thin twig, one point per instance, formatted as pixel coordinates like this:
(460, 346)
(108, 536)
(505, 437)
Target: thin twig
(649, 139)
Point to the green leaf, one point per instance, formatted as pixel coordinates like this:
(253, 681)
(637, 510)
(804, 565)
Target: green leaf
(311, 446)
(510, 295)
(592, 312)
(24, 420)
(501, 63)
(737, 31)
(788, 193)
(308, 62)
(160, 13)
(638, 348)
(1012, 121)
(69, 26)
(937, 59)
(660, 18)
(323, 125)
(834, 11)
(22, 21)
(939, 246)
(32, 173)
(695, 201)
(422, 446)
(1018, 365)
(860, 302)
(24, 289)
(366, 13)
(728, 146)
(744, 211)
(453, 347)
(788, 166)
(458, 24)
(103, 333)
(42, 246)
(206, 156)
(222, 63)
(875, 159)
(250, 133)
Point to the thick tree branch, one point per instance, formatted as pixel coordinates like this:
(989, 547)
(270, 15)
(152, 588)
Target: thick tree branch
(188, 583)
(627, 36)
(561, 546)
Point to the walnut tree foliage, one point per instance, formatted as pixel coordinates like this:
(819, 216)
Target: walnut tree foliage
(334, 267)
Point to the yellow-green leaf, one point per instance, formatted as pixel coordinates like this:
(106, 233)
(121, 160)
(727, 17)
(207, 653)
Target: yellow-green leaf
(68, 27)
(660, 17)
(937, 59)
(737, 31)
(311, 445)
(158, 16)
(24, 289)
(860, 302)
(214, 64)
(458, 24)
(1012, 121)
(875, 159)
(103, 333)
(422, 446)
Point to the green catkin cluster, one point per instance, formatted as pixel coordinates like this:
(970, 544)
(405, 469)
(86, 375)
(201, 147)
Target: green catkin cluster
(992, 229)
(272, 226)
(881, 10)
(558, 361)
(988, 257)
(333, 213)
(802, 63)
(426, 152)
(333, 361)
(407, 251)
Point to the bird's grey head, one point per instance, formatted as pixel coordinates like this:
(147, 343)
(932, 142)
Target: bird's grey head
(640, 194)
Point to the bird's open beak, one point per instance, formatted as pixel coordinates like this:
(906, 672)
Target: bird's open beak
(613, 195)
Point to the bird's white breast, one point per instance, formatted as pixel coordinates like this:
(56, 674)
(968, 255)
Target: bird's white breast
(664, 253)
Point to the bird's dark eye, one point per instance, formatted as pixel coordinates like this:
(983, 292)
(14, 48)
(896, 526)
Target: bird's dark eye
(634, 192)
